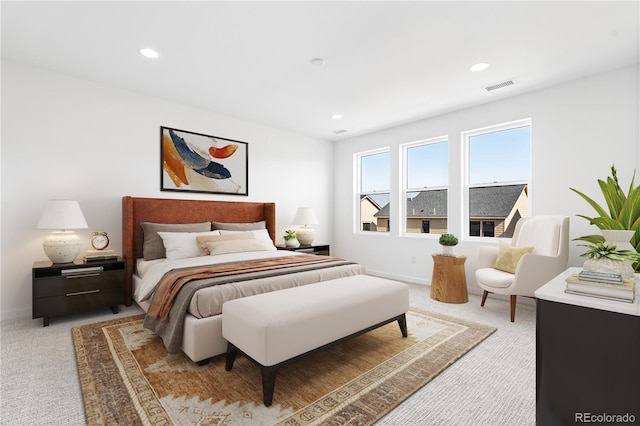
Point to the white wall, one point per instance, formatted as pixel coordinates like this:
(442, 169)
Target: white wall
(578, 130)
(68, 138)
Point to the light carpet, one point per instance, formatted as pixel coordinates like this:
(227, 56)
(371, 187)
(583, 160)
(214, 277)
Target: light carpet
(128, 378)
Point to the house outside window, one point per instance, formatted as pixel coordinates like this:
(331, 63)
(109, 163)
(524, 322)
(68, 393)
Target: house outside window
(498, 168)
(373, 189)
(425, 181)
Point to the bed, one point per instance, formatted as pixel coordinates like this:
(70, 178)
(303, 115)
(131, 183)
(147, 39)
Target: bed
(198, 334)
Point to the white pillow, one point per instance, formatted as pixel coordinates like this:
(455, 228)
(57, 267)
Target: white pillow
(234, 246)
(182, 245)
(260, 235)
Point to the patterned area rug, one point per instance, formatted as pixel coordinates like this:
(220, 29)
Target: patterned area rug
(127, 377)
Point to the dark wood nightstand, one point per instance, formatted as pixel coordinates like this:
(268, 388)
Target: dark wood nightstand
(64, 288)
(321, 249)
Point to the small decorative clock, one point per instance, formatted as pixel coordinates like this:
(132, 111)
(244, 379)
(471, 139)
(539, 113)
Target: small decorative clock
(99, 240)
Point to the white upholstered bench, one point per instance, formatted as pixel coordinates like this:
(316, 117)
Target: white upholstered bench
(274, 329)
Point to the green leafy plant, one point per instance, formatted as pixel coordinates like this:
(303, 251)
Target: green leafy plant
(289, 234)
(448, 240)
(622, 210)
(609, 251)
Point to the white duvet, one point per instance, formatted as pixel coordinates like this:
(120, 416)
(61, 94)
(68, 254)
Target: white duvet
(150, 272)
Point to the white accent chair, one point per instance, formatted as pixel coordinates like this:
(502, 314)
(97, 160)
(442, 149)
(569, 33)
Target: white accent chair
(549, 236)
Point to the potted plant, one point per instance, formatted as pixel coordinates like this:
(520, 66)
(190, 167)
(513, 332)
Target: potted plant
(290, 239)
(448, 243)
(620, 221)
(605, 257)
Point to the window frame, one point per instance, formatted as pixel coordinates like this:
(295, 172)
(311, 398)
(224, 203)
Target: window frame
(358, 193)
(404, 190)
(465, 140)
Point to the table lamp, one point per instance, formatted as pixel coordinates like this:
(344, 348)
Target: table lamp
(305, 216)
(63, 245)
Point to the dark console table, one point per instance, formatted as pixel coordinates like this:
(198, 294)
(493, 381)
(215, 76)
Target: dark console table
(587, 358)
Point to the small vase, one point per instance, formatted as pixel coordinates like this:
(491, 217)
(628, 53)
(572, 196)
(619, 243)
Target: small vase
(293, 242)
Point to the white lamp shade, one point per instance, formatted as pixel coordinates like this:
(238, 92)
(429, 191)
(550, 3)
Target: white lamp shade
(305, 216)
(61, 215)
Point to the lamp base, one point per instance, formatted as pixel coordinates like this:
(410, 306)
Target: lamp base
(62, 246)
(305, 235)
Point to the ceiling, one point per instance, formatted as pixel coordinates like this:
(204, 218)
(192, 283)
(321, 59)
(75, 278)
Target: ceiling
(386, 63)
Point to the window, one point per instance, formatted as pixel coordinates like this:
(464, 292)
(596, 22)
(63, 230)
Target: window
(426, 178)
(498, 172)
(374, 182)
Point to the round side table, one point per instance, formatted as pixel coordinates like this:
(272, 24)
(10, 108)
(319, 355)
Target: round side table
(449, 281)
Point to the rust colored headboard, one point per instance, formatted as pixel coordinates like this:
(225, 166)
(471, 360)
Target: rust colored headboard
(161, 210)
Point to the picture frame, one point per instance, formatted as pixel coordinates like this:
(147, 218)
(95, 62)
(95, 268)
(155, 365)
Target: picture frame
(195, 162)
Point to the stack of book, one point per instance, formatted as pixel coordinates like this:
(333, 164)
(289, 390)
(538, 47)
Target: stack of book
(603, 285)
(96, 255)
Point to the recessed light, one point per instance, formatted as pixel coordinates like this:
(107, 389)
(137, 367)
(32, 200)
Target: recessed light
(479, 67)
(149, 53)
(336, 116)
(318, 62)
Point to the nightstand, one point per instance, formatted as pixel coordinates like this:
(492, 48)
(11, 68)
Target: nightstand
(64, 288)
(321, 249)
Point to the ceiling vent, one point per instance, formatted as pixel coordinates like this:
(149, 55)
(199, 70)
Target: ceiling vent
(500, 85)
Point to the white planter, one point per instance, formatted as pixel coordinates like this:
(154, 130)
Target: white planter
(293, 242)
(449, 250)
(611, 266)
(618, 237)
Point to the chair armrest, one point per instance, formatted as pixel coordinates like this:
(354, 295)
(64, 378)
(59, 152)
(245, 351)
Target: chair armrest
(487, 257)
(534, 271)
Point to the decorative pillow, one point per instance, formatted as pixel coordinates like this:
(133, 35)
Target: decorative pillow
(508, 257)
(203, 239)
(239, 226)
(261, 236)
(181, 245)
(234, 246)
(152, 246)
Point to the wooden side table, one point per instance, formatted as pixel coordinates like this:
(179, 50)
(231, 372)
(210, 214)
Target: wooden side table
(449, 281)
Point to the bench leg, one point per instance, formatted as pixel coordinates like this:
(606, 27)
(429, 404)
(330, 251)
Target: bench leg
(402, 322)
(231, 356)
(268, 384)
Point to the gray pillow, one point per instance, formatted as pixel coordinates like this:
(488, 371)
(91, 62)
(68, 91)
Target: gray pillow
(253, 226)
(152, 246)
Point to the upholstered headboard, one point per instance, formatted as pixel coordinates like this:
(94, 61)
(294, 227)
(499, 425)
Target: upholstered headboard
(161, 210)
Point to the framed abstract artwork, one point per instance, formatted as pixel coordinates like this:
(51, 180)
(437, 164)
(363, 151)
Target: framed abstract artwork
(193, 162)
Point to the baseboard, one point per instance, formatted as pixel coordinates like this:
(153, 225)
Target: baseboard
(15, 314)
(476, 292)
(403, 278)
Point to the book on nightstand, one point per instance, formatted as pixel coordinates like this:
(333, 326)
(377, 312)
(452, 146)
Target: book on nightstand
(605, 277)
(99, 255)
(624, 291)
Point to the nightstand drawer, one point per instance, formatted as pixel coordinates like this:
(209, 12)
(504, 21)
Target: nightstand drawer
(79, 283)
(77, 302)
